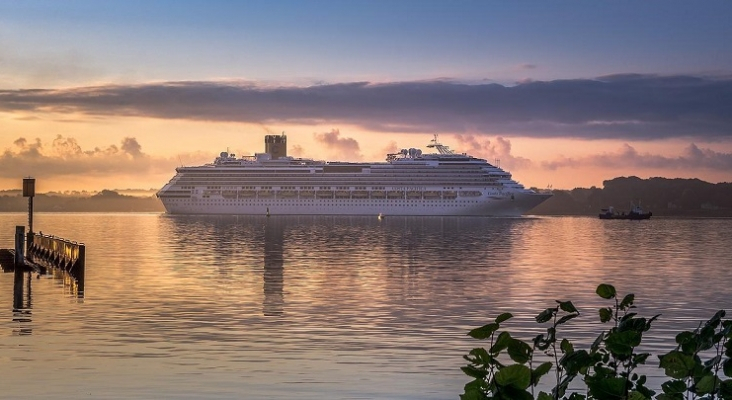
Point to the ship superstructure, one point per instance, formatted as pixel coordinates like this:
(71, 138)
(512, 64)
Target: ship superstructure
(408, 183)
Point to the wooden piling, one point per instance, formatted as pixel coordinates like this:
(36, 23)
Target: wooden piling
(19, 264)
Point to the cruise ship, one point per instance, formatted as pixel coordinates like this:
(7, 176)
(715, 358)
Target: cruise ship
(409, 182)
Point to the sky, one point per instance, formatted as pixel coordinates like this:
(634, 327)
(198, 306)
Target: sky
(117, 94)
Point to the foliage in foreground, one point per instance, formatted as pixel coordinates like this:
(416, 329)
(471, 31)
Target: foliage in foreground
(506, 369)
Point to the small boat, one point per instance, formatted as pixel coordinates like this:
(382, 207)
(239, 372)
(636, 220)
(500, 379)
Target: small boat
(635, 213)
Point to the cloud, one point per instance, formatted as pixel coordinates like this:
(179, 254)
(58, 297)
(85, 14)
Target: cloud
(497, 152)
(65, 158)
(343, 148)
(692, 158)
(625, 107)
(296, 151)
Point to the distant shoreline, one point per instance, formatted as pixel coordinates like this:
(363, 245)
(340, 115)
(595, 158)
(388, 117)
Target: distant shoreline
(664, 197)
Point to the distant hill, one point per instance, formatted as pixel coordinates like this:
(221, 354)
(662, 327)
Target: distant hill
(104, 201)
(662, 196)
(677, 197)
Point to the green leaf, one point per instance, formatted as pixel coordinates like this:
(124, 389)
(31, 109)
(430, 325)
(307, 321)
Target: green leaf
(576, 361)
(633, 324)
(540, 342)
(650, 321)
(725, 389)
(716, 319)
(606, 291)
(676, 364)
(480, 356)
(567, 306)
(512, 393)
(540, 371)
(519, 351)
(503, 317)
(606, 314)
(713, 361)
(684, 337)
(675, 396)
(597, 342)
(502, 342)
(610, 388)
(628, 316)
(474, 390)
(517, 376)
(566, 318)
(566, 346)
(546, 315)
(474, 372)
(635, 395)
(674, 386)
(727, 367)
(706, 384)
(544, 396)
(622, 343)
(627, 301)
(484, 331)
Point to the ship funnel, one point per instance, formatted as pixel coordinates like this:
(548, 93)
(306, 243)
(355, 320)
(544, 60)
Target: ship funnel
(275, 146)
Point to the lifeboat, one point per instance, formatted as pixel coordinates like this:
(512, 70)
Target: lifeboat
(286, 194)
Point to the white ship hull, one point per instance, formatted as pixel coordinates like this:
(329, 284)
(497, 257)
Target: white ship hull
(482, 206)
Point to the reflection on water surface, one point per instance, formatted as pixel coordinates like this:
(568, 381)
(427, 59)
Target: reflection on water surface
(228, 307)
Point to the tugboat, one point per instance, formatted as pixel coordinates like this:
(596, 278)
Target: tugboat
(635, 213)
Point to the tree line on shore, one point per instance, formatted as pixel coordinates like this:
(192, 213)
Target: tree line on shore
(662, 196)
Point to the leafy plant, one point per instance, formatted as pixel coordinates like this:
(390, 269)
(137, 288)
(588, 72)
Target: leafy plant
(571, 362)
(608, 367)
(491, 378)
(693, 376)
(613, 354)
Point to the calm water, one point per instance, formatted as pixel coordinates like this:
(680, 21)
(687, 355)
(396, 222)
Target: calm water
(330, 307)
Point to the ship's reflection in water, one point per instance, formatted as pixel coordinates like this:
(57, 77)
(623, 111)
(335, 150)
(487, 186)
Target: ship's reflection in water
(380, 260)
(274, 280)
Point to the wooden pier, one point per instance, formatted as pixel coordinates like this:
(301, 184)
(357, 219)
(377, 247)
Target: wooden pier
(38, 252)
(59, 253)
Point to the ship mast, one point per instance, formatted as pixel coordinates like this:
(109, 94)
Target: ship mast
(439, 146)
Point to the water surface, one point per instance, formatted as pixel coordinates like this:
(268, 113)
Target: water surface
(230, 307)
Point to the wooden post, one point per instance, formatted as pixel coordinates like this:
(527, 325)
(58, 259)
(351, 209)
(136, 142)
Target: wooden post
(29, 191)
(19, 265)
(19, 246)
(81, 263)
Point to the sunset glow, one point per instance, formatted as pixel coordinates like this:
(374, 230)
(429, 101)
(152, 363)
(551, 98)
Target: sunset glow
(112, 96)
